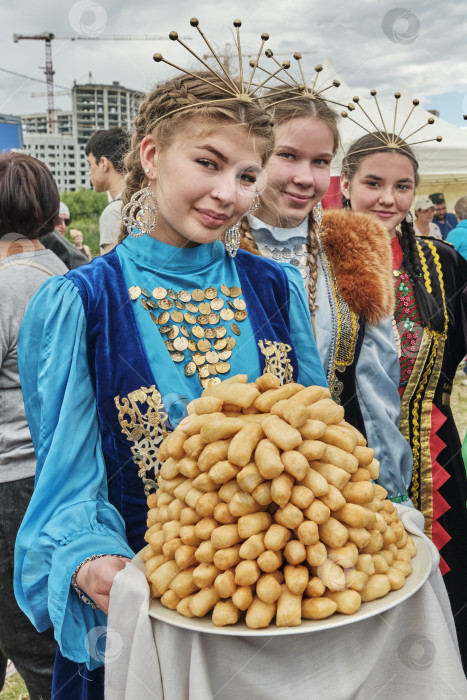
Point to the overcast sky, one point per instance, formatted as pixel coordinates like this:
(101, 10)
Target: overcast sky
(373, 43)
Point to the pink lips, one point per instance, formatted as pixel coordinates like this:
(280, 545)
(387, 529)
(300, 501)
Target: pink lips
(211, 219)
(385, 214)
(298, 198)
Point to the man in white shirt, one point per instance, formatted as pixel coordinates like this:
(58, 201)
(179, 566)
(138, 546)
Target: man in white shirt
(106, 150)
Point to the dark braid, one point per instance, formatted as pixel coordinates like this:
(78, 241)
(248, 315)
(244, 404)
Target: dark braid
(411, 260)
(431, 313)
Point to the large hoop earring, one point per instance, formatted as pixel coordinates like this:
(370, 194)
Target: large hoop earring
(140, 213)
(232, 240)
(318, 215)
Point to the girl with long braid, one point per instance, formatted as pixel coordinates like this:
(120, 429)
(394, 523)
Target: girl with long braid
(430, 324)
(345, 261)
(110, 356)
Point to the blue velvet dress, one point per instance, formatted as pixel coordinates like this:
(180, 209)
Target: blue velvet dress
(102, 382)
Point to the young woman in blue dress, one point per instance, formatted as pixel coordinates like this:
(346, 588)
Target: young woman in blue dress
(114, 351)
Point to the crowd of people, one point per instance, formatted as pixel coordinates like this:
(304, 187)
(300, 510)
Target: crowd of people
(211, 193)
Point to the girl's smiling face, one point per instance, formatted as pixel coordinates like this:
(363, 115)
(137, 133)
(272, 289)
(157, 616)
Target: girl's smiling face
(298, 172)
(204, 181)
(383, 187)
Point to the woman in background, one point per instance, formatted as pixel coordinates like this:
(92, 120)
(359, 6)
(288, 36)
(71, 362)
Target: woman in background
(77, 238)
(29, 204)
(424, 213)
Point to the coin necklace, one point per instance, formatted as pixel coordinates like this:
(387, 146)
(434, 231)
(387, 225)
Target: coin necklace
(195, 324)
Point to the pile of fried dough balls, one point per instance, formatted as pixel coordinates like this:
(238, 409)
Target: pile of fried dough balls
(266, 506)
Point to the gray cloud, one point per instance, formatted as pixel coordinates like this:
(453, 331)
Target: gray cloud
(365, 53)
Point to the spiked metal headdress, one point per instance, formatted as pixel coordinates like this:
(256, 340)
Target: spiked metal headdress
(392, 140)
(239, 87)
(290, 88)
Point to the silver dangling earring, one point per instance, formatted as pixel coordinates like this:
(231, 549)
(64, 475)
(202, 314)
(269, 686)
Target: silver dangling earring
(254, 206)
(232, 240)
(409, 217)
(347, 205)
(140, 213)
(318, 215)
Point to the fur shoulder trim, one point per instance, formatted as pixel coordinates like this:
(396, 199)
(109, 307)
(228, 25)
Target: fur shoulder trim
(359, 251)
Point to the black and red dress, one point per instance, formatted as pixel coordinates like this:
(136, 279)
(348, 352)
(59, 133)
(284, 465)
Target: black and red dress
(429, 361)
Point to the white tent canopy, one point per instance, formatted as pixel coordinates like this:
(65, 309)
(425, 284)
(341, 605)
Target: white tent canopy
(443, 166)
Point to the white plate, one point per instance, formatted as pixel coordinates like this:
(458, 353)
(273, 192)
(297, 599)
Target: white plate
(421, 565)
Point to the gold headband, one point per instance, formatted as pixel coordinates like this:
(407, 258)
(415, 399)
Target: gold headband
(390, 140)
(292, 88)
(242, 89)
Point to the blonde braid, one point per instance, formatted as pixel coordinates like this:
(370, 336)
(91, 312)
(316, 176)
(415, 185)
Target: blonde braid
(312, 265)
(247, 240)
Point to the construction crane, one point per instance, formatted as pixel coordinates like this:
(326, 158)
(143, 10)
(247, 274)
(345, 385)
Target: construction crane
(49, 73)
(48, 37)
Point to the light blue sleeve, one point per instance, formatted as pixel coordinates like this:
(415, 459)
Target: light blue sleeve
(377, 382)
(69, 517)
(458, 238)
(310, 369)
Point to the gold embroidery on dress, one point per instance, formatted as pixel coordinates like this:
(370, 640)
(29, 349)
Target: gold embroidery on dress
(426, 274)
(142, 420)
(345, 329)
(397, 338)
(417, 400)
(422, 486)
(426, 462)
(277, 362)
(410, 402)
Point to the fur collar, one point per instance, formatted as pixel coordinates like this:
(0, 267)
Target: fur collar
(359, 251)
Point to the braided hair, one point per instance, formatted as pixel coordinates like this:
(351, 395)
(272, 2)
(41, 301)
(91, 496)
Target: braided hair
(431, 313)
(246, 235)
(290, 107)
(312, 260)
(154, 119)
(313, 249)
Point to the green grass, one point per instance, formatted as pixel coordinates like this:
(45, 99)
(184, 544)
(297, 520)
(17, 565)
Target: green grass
(14, 689)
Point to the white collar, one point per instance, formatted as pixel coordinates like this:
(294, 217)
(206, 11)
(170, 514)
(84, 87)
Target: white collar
(280, 234)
